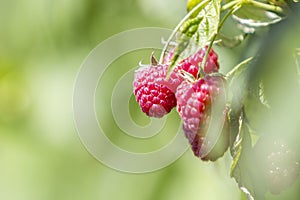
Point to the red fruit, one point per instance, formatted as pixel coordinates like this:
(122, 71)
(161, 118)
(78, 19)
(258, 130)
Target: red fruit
(194, 104)
(156, 100)
(192, 63)
(200, 144)
(155, 93)
(155, 76)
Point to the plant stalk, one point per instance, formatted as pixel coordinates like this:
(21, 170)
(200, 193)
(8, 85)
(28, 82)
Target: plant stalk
(200, 5)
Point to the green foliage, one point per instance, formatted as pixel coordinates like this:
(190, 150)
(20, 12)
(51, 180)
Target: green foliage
(241, 168)
(191, 4)
(252, 16)
(197, 32)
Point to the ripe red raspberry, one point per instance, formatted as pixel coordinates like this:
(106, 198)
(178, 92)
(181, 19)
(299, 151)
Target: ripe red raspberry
(279, 164)
(156, 74)
(155, 93)
(194, 103)
(191, 64)
(155, 100)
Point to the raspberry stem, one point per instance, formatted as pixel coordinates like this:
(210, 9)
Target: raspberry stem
(254, 3)
(198, 6)
(264, 6)
(206, 55)
(230, 12)
(230, 5)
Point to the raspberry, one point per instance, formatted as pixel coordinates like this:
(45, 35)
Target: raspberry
(200, 146)
(155, 100)
(194, 101)
(191, 64)
(155, 76)
(154, 93)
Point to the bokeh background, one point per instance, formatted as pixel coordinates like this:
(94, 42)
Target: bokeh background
(42, 45)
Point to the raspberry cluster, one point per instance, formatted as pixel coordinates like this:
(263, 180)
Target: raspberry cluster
(155, 75)
(194, 99)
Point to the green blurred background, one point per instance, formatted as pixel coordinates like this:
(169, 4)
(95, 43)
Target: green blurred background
(42, 45)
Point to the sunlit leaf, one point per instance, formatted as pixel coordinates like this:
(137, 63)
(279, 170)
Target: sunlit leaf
(236, 92)
(262, 96)
(247, 193)
(209, 26)
(236, 147)
(255, 17)
(191, 4)
(241, 161)
(197, 32)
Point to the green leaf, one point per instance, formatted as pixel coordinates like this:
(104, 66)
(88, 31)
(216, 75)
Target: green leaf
(256, 102)
(199, 6)
(234, 124)
(252, 16)
(191, 4)
(197, 32)
(242, 170)
(243, 196)
(236, 147)
(247, 193)
(209, 26)
(262, 96)
(241, 160)
(237, 89)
